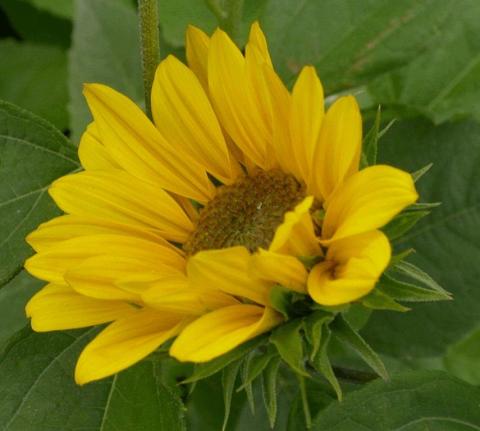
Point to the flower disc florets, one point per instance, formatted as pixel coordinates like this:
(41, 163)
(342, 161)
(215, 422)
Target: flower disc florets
(246, 213)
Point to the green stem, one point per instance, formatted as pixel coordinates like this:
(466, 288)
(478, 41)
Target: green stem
(306, 408)
(150, 45)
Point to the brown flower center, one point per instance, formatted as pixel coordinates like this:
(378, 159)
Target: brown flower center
(246, 213)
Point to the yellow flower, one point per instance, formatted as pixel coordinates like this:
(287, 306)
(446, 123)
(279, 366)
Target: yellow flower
(180, 227)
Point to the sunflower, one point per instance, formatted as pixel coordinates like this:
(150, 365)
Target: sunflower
(180, 227)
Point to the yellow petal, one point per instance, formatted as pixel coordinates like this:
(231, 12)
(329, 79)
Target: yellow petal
(175, 294)
(221, 331)
(352, 268)
(98, 277)
(51, 264)
(296, 235)
(92, 153)
(197, 43)
(59, 229)
(120, 197)
(125, 342)
(257, 39)
(227, 270)
(183, 114)
(138, 147)
(281, 268)
(337, 153)
(306, 117)
(231, 96)
(60, 307)
(367, 200)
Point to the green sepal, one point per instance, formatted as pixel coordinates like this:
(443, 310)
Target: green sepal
(288, 340)
(421, 172)
(400, 257)
(269, 389)
(207, 369)
(370, 142)
(313, 325)
(229, 376)
(403, 291)
(351, 338)
(286, 301)
(402, 223)
(409, 270)
(247, 386)
(380, 300)
(322, 364)
(255, 364)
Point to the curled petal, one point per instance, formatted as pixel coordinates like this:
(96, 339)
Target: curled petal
(351, 269)
(366, 201)
(222, 330)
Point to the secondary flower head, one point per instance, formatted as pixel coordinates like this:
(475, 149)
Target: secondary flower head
(182, 226)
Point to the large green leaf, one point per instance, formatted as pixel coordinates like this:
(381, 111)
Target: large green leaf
(33, 154)
(37, 25)
(176, 15)
(442, 82)
(463, 358)
(38, 391)
(62, 8)
(415, 401)
(350, 41)
(446, 241)
(13, 298)
(35, 77)
(105, 49)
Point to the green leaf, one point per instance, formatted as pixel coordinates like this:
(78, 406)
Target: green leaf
(403, 291)
(446, 242)
(348, 336)
(379, 300)
(463, 358)
(415, 401)
(13, 298)
(269, 389)
(35, 77)
(33, 154)
(247, 385)
(38, 26)
(105, 49)
(403, 223)
(229, 377)
(441, 82)
(62, 8)
(349, 41)
(209, 368)
(38, 391)
(176, 15)
(288, 340)
(322, 364)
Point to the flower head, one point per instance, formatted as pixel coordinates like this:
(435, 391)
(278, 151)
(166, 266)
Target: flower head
(180, 227)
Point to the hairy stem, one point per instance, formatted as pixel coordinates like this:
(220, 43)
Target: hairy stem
(150, 45)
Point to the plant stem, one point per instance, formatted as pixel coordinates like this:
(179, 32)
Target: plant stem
(150, 45)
